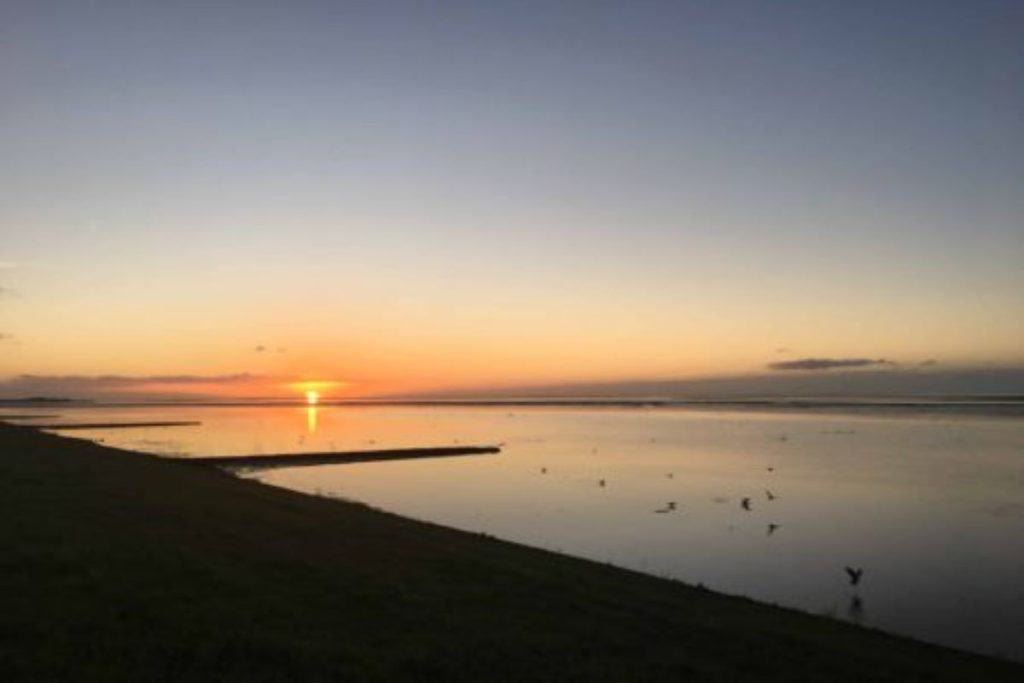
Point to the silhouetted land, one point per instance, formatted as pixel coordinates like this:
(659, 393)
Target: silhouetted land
(337, 457)
(36, 400)
(124, 566)
(27, 417)
(116, 425)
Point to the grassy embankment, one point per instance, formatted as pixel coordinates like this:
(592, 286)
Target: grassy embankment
(118, 565)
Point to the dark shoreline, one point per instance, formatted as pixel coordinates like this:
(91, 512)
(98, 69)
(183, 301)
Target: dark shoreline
(73, 426)
(994, 407)
(121, 565)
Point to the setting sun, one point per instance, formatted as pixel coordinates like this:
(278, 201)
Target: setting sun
(312, 398)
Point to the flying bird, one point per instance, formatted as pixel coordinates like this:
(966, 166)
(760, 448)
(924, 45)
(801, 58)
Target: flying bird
(769, 494)
(745, 504)
(854, 574)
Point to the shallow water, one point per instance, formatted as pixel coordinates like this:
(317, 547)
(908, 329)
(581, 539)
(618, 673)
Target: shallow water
(931, 506)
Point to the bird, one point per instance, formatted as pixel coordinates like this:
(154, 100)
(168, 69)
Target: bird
(745, 504)
(543, 470)
(771, 529)
(771, 469)
(671, 505)
(769, 494)
(601, 483)
(669, 475)
(854, 574)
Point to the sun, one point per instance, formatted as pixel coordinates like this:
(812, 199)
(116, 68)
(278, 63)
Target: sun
(312, 398)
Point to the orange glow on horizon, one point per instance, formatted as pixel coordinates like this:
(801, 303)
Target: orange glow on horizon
(314, 390)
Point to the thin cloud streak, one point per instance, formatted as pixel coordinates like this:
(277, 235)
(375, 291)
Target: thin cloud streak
(828, 363)
(96, 385)
(137, 380)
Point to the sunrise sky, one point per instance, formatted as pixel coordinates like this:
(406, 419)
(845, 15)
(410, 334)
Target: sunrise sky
(234, 198)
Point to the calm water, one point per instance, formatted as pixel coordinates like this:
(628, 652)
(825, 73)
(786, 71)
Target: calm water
(932, 507)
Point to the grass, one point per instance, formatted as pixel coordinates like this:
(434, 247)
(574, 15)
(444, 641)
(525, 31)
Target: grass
(123, 566)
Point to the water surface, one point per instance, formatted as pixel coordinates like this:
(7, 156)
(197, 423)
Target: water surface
(930, 506)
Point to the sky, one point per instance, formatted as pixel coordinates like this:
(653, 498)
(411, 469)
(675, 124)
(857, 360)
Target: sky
(235, 198)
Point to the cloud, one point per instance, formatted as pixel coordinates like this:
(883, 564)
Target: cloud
(86, 385)
(885, 381)
(828, 363)
(262, 348)
(136, 380)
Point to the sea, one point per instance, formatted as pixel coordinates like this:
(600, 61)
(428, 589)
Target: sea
(780, 501)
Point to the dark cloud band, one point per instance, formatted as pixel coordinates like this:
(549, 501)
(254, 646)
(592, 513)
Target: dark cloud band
(828, 363)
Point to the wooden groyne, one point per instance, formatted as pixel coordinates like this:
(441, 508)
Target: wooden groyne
(336, 458)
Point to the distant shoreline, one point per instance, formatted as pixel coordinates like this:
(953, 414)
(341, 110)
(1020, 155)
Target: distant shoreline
(995, 406)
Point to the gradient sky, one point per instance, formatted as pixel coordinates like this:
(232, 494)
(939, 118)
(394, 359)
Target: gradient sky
(405, 196)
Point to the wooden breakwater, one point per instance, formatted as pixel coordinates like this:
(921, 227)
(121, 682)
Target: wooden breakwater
(337, 458)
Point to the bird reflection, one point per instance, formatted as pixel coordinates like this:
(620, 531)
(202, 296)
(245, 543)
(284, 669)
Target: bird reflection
(856, 609)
